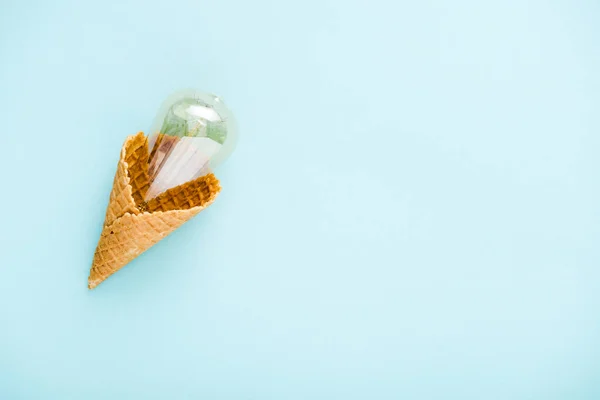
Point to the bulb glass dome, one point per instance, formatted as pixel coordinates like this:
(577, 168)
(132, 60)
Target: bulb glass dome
(193, 132)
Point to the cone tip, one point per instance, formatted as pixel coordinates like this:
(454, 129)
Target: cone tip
(92, 283)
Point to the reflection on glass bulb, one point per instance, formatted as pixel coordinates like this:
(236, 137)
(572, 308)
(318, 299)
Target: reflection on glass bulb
(193, 132)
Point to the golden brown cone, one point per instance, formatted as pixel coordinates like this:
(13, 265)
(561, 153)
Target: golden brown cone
(128, 232)
(121, 197)
(136, 157)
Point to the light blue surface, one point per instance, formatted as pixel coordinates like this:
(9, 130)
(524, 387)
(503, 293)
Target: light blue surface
(413, 211)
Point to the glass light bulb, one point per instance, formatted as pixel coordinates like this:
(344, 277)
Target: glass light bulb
(193, 132)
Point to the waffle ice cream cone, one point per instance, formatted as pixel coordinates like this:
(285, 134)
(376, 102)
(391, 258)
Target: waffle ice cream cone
(132, 225)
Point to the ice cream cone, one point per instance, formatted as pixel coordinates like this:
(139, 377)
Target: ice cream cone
(132, 225)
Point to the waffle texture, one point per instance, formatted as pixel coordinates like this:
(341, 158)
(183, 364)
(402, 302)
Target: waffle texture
(136, 157)
(128, 231)
(121, 197)
(186, 196)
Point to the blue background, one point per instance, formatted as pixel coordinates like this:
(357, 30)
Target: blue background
(413, 211)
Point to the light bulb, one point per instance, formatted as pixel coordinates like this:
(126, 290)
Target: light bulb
(193, 132)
